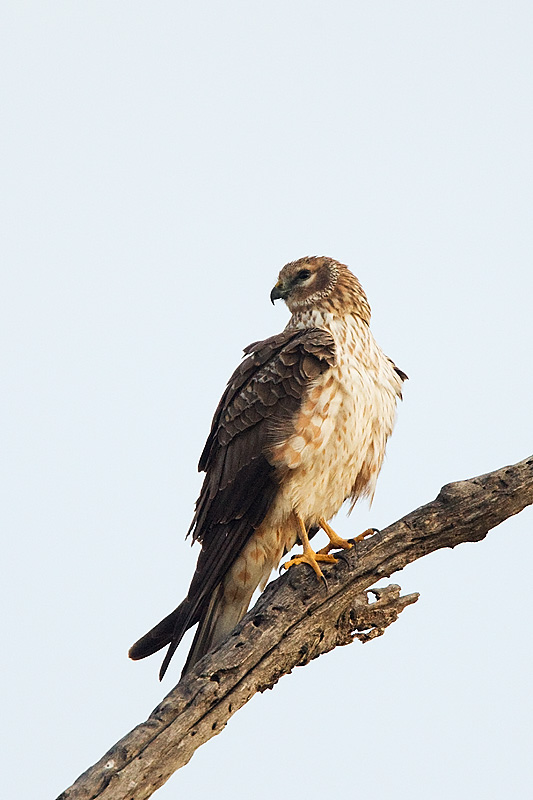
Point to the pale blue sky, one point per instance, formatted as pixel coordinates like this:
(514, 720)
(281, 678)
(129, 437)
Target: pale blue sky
(161, 161)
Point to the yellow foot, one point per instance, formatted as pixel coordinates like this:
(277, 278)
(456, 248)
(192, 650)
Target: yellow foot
(335, 542)
(365, 534)
(310, 557)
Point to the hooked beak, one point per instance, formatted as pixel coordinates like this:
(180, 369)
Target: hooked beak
(278, 293)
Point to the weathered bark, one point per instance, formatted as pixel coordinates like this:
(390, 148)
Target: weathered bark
(294, 621)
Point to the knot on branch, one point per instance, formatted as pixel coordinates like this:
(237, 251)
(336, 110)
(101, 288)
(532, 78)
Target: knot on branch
(368, 619)
(372, 618)
(362, 619)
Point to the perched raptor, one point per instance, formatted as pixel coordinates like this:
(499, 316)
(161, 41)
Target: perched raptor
(301, 427)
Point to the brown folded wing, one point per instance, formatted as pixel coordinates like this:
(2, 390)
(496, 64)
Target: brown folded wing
(255, 413)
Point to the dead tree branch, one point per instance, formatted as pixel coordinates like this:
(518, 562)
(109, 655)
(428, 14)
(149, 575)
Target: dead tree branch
(294, 621)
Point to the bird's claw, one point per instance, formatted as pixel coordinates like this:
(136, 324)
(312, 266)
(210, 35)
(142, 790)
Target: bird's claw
(311, 558)
(342, 557)
(364, 535)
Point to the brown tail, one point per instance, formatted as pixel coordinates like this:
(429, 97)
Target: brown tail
(170, 629)
(215, 623)
(206, 634)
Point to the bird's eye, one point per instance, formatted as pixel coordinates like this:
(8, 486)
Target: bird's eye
(303, 275)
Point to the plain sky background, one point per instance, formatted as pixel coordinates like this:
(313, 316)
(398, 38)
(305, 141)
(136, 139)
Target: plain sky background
(160, 162)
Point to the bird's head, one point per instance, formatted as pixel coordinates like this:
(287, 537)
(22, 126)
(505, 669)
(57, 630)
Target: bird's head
(320, 282)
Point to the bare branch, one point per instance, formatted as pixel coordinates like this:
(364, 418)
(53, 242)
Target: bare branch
(294, 621)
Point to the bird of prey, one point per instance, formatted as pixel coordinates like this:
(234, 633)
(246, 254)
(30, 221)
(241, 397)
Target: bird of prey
(301, 427)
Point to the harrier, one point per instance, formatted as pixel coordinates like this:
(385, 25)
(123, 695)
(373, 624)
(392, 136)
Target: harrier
(301, 427)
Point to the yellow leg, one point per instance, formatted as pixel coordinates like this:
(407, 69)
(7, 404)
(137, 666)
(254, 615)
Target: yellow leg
(335, 542)
(309, 556)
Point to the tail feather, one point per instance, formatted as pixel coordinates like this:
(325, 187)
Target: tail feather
(217, 622)
(171, 627)
(205, 637)
(216, 619)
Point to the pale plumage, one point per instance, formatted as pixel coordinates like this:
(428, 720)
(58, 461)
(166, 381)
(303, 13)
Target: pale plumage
(301, 428)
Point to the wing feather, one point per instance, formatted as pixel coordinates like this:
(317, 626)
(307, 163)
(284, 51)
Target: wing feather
(262, 398)
(256, 412)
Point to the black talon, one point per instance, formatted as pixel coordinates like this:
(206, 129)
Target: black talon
(342, 557)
